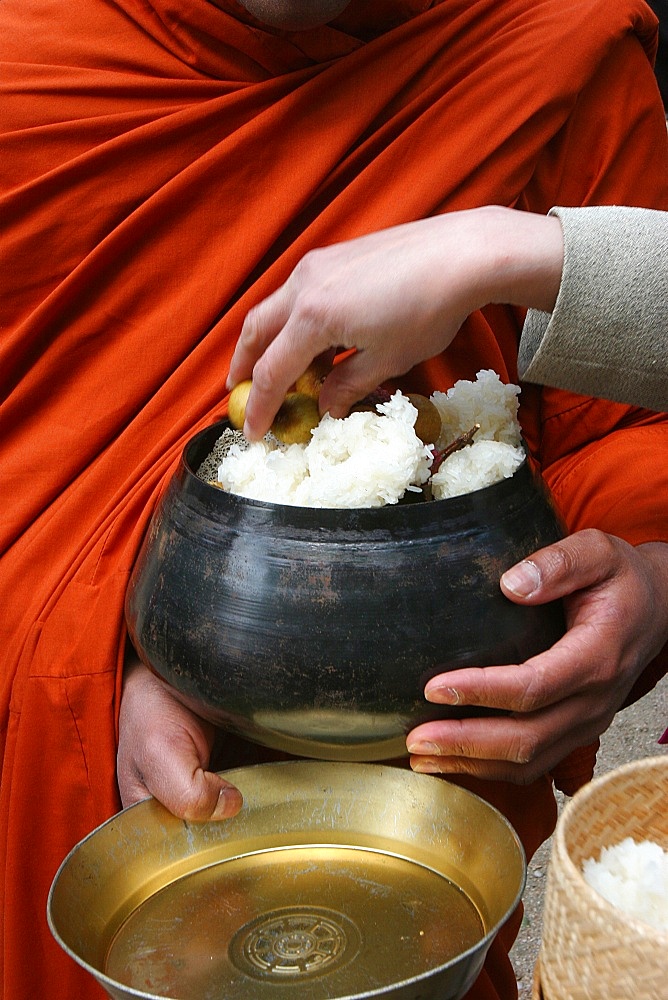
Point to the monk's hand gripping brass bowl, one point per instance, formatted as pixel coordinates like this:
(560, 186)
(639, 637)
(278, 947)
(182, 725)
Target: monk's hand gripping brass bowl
(334, 881)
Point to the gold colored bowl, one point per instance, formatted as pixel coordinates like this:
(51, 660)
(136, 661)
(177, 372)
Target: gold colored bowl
(334, 881)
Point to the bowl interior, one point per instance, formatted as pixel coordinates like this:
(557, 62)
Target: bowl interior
(413, 508)
(335, 880)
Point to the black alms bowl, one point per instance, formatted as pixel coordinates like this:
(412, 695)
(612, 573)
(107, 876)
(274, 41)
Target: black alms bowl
(314, 631)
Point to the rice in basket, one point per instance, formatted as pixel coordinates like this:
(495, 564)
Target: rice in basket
(633, 876)
(370, 459)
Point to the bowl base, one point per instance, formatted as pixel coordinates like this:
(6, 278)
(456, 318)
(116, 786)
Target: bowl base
(317, 920)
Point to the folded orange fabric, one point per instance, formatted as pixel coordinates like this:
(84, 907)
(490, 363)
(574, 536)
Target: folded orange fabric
(165, 164)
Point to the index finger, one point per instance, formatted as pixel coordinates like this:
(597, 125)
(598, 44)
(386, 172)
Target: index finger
(543, 680)
(262, 323)
(283, 353)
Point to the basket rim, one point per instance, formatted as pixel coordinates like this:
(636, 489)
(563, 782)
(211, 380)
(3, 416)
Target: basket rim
(635, 925)
(537, 981)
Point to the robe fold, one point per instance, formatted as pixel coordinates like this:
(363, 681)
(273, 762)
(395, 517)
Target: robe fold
(164, 165)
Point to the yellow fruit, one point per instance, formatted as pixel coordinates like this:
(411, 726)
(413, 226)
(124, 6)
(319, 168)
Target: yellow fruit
(310, 383)
(428, 421)
(296, 418)
(236, 407)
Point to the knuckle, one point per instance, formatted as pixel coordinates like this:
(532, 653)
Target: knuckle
(464, 749)
(305, 266)
(251, 326)
(526, 775)
(605, 547)
(528, 702)
(197, 804)
(350, 387)
(263, 376)
(309, 311)
(462, 743)
(313, 312)
(589, 547)
(559, 560)
(523, 747)
(532, 695)
(467, 765)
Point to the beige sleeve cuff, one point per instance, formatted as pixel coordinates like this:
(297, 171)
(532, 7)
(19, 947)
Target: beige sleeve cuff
(608, 333)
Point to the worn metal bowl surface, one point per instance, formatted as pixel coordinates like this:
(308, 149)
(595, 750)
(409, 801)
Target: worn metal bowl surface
(314, 631)
(335, 880)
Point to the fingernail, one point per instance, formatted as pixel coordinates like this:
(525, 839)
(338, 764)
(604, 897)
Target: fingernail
(522, 579)
(664, 739)
(425, 749)
(228, 804)
(442, 695)
(426, 765)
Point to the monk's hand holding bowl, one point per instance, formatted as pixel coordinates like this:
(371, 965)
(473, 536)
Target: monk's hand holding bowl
(616, 603)
(164, 750)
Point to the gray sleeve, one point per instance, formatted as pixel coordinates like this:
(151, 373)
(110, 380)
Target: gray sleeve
(608, 333)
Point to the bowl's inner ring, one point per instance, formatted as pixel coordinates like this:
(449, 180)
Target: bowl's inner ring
(326, 920)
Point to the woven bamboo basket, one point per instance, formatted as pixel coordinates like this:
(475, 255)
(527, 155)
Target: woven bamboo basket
(592, 950)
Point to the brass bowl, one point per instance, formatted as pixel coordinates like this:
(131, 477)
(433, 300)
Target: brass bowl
(334, 881)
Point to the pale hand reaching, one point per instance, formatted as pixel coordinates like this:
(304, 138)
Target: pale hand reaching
(398, 296)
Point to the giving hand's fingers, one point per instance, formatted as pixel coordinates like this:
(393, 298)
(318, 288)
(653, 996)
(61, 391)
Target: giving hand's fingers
(274, 351)
(262, 324)
(359, 374)
(384, 294)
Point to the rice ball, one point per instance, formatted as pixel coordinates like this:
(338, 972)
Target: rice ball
(480, 464)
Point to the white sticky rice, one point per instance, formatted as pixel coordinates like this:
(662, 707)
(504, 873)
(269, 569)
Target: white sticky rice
(481, 464)
(496, 451)
(487, 402)
(634, 878)
(373, 459)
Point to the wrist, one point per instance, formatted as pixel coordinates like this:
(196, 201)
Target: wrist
(523, 258)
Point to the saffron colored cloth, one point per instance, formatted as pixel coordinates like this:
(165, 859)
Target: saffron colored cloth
(165, 164)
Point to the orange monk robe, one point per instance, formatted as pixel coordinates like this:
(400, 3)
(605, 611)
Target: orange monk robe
(164, 165)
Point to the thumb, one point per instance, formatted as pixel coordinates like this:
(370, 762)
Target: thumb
(192, 793)
(352, 379)
(171, 765)
(581, 560)
(207, 796)
(164, 750)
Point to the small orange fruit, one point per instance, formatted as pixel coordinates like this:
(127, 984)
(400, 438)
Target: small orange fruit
(296, 418)
(428, 421)
(236, 407)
